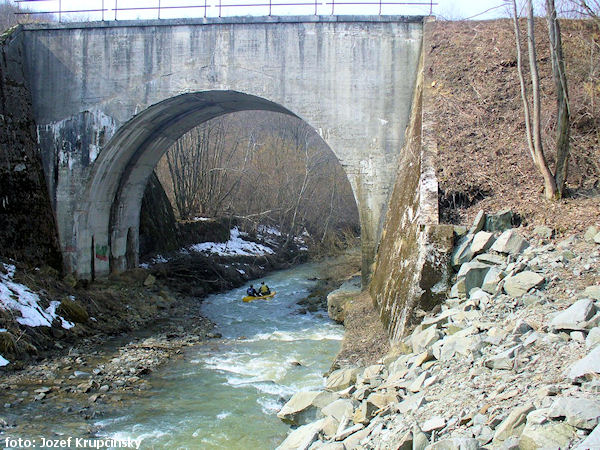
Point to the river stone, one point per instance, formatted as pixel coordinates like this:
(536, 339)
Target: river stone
(575, 317)
(593, 338)
(462, 252)
(592, 292)
(302, 437)
(514, 423)
(510, 242)
(579, 412)
(338, 409)
(482, 241)
(304, 407)
(341, 379)
(423, 340)
(500, 221)
(590, 233)
(587, 366)
(550, 435)
(458, 443)
(521, 283)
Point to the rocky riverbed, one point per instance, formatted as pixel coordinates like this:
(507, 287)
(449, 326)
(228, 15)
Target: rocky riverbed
(510, 360)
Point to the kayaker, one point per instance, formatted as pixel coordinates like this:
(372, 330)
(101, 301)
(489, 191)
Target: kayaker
(264, 289)
(251, 291)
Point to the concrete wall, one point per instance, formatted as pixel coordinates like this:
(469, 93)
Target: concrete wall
(109, 99)
(27, 226)
(411, 269)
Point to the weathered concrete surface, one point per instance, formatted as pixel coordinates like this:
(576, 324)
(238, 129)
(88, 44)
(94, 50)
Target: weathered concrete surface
(110, 98)
(412, 266)
(27, 225)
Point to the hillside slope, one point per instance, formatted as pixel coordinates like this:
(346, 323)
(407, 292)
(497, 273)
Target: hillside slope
(473, 91)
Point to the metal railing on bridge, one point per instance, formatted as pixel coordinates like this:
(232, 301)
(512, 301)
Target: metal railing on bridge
(163, 9)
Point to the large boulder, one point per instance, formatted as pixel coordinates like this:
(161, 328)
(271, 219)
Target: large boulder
(305, 407)
(521, 283)
(575, 317)
(510, 242)
(592, 441)
(338, 409)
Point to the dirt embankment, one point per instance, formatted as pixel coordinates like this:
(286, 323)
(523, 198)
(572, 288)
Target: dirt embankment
(473, 96)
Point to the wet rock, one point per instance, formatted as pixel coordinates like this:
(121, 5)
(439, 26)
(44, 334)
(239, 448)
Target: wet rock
(575, 317)
(587, 366)
(521, 283)
(510, 242)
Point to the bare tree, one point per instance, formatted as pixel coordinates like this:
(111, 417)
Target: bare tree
(553, 183)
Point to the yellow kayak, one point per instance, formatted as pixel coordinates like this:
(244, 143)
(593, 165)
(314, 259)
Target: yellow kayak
(262, 297)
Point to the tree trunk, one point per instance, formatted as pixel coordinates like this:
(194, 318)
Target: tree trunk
(540, 160)
(562, 98)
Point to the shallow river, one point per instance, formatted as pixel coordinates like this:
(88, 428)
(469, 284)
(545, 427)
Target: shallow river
(225, 395)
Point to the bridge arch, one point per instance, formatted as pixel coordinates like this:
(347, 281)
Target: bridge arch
(107, 226)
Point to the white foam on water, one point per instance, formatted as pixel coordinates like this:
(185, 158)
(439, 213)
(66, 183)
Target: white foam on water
(269, 405)
(224, 414)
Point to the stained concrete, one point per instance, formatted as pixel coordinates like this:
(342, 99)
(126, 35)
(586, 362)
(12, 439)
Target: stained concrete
(110, 98)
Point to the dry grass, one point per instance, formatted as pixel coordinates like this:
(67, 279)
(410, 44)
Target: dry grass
(473, 94)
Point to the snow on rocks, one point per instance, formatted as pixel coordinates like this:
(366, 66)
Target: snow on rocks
(493, 368)
(235, 246)
(19, 298)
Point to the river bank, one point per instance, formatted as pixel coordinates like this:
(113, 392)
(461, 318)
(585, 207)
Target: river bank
(89, 379)
(97, 379)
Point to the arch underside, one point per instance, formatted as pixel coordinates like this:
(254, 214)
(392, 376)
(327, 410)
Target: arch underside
(107, 223)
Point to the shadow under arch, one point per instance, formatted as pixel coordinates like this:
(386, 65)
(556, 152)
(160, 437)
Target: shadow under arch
(107, 220)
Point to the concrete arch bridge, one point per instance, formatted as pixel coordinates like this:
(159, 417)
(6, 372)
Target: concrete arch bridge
(109, 98)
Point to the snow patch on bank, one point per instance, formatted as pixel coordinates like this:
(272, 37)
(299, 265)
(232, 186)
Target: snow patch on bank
(18, 297)
(235, 246)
